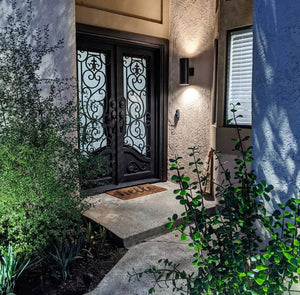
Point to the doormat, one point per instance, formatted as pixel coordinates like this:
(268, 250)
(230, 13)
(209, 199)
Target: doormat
(136, 191)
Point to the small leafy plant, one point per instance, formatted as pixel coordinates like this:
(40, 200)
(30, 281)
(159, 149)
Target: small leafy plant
(63, 255)
(12, 265)
(229, 257)
(94, 235)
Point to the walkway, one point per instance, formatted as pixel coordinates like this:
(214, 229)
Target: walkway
(140, 224)
(140, 257)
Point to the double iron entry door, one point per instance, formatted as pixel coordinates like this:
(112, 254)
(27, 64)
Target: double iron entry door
(117, 91)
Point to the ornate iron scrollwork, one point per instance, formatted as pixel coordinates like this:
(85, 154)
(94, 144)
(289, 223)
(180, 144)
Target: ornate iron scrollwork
(92, 93)
(134, 167)
(136, 95)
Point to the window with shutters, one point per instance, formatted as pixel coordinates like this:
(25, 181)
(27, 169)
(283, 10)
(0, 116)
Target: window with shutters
(239, 75)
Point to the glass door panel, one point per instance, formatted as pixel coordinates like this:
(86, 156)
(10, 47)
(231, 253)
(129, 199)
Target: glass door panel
(94, 134)
(91, 72)
(136, 110)
(135, 94)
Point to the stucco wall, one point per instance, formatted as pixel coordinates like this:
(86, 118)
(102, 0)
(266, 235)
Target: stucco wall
(231, 15)
(60, 16)
(136, 16)
(276, 96)
(192, 36)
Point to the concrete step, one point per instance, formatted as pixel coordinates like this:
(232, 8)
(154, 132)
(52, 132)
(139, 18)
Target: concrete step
(136, 220)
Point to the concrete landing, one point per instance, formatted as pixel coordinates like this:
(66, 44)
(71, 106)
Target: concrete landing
(137, 219)
(140, 257)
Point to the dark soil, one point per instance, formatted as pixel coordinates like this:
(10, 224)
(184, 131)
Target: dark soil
(86, 272)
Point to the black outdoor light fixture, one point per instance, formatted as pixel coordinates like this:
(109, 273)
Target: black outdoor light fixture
(185, 71)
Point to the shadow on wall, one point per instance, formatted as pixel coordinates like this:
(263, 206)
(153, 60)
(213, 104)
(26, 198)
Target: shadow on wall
(276, 96)
(203, 64)
(60, 16)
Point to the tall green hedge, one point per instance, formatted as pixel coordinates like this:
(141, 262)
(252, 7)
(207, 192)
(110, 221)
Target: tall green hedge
(39, 199)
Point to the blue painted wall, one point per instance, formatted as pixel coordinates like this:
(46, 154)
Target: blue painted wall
(276, 95)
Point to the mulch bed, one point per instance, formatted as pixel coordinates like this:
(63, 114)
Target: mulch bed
(86, 273)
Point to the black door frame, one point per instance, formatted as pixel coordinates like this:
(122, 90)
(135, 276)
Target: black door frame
(161, 45)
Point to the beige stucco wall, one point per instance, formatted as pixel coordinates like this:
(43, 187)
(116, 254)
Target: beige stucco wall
(137, 16)
(232, 15)
(192, 36)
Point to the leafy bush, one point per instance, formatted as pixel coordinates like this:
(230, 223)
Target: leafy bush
(39, 197)
(228, 256)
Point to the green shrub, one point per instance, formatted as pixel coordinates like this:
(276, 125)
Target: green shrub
(39, 197)
(230, 257)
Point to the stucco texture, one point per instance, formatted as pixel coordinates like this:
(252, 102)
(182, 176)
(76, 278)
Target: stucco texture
(276, 96)
(60, 17)
(191, 36)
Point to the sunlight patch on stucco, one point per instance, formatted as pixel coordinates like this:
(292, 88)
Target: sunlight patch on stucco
(272, 5)
(266, 126)
(288, 140)
(255, 141)
(268, 69)
(262, 49)
(273, 178)
(269, 73)
(297, 183)
(274, 13)
(290, 165)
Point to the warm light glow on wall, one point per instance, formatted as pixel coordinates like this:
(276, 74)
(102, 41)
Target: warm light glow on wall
(190, 95)
(192, 47)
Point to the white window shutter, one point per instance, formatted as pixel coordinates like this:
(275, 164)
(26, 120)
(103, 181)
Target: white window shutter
(239, 75)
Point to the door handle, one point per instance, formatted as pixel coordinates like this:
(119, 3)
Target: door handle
(113, 120)
(111, 116)
(121, 120)
(122, 104)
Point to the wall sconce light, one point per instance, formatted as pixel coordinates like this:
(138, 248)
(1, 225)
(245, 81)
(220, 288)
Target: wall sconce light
(185, 71)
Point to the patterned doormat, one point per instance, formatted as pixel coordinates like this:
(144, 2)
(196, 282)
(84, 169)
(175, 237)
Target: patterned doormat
(136, 191)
